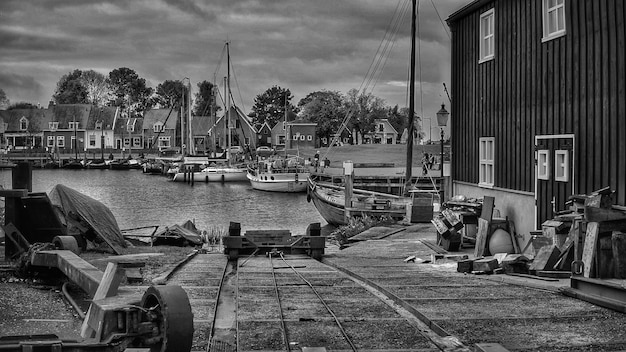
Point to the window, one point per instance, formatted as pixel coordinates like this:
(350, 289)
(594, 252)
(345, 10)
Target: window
(61, 141)
(73, 125)
(164, 142)
(136, 141)
(50, 142)
(295, 137)
(92, 140)
(283, 126)
(324, 140)
(23, 124)
(486, 172)
(553, 19)
(53, 126)
(246, 140)
(126, 142)
(543, 165)
(302, 137)
(486, 36)
(309, 138)
(98, 125)
(561, 165)
(381, 128)
(130, 128)
(158, 127)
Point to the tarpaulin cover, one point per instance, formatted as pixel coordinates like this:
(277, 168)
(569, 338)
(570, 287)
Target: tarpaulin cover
(91, 211)
(178, 234)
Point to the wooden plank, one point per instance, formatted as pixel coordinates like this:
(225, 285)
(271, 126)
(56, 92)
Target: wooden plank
(619, 253)
(589, 249)
(109, 281)
(545, 259)
(481, 237)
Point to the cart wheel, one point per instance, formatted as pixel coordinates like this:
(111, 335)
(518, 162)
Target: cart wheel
(233, 254)
(66, 242)
(173, 317)
(316, 254)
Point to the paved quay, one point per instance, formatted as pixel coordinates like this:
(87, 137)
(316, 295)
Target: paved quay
(521, 314)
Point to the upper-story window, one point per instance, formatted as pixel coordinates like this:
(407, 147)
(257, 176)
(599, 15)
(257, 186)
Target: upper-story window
(73, 125)
(23, 124)
(158, 127)
(98, 125)
(130, 128)
(487, 36)
(553, 19)
(381, 128)
(53, 125)
(486, 161)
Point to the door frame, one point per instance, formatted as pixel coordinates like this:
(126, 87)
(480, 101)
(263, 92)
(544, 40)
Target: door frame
(573, 166)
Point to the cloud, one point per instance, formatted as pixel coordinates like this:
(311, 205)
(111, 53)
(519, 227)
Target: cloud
(17, 86)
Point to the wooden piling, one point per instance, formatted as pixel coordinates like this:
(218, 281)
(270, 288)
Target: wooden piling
(22, 176)
(619, 248)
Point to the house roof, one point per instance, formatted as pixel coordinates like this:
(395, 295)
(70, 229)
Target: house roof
(242, 117)
(151, 117)
(466, 10)
(106, 114)
(66, 113)
(386, 121)
(120, 125)
(37, 118)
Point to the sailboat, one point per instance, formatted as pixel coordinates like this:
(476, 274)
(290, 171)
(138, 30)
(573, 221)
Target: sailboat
(217, 173)
(330, 199)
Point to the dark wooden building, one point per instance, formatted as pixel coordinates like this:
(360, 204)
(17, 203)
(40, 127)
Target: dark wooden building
(538, 103)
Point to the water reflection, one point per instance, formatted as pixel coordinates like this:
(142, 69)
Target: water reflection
(137, 199)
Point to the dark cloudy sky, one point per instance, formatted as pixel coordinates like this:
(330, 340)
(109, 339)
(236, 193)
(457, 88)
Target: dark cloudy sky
(302, 45)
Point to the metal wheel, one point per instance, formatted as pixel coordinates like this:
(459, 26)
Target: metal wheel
(169, 308)
(66, 242)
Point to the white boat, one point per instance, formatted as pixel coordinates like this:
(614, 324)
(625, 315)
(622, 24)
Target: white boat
(213, 174)
(287, 175)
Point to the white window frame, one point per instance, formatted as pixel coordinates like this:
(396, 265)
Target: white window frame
(553, 16)
(543, 164)
(126, 142)
(158, 127)
(487, 36)
(50, 142)
(61, 141)
(23, 124)
(92, 140)
(164, 142)
(73, 124)
(309, 137)
(98, 125)
(561, 165)
(136, 141)
(53, 126)
(130, 128)
(302, 137)
(486, 156)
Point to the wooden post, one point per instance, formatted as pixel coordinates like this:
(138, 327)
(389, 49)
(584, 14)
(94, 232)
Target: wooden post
(619, 254)
(348, 172)
(590, 248)
(22, 176)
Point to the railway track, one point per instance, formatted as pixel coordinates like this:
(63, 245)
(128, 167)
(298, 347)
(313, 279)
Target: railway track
(281, 302)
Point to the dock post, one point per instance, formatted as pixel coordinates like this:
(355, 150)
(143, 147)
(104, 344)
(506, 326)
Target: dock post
(348, 173)
(22, 176)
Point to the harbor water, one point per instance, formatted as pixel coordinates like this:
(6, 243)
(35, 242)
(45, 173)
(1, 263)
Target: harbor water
(137, 199)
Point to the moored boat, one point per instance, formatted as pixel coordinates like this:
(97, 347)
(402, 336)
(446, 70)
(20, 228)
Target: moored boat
(212, 174)
(330, 203)
(287, 175)
(119, 165)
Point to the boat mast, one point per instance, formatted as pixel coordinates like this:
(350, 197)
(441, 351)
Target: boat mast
(228, 98)
(190, 148)
(411, 127)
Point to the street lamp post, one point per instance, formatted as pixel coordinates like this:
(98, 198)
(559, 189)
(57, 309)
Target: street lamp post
(442, 121)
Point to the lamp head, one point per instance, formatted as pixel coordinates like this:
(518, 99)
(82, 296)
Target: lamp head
(442, 116)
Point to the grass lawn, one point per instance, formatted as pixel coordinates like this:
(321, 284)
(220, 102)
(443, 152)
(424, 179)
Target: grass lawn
(371, 153)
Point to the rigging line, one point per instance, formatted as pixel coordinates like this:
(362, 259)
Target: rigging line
(369, 69)
(232, 68)
(219, 62)
(445, 28)
(393, 43)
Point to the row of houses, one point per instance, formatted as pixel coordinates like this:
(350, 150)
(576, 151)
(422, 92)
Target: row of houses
(84, 128)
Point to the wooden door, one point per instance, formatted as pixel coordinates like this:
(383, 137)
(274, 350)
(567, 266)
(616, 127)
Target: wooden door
(554, 176)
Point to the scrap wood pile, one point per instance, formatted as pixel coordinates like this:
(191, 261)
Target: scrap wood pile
(456, 223)
(589, 239)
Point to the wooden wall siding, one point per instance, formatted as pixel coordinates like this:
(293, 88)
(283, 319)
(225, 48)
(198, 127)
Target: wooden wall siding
(573, 84)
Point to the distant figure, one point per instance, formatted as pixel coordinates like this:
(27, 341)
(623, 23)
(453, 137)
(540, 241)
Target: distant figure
(326, 163)
(425, 163)
(316, 158)
(431, 161)
(111, 156)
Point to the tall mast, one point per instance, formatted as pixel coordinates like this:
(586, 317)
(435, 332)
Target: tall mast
(228, 96)
(411, 127)
(190, 137)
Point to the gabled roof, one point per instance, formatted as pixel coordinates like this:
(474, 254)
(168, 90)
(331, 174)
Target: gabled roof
(151, 117)
(106, 114)
(386, 121)
(265, 125)
(37, 118)
(467, 9)
(66, 113)
(120, 125)
(242, 117)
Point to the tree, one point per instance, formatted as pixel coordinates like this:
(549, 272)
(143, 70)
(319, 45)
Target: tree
(130, 92)
(364, 110)
(324, 108)
(270, 106)
(398, 118)
(4, 101)
(95, 83)
(168, 94)
(204, 99)
(70, 89)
